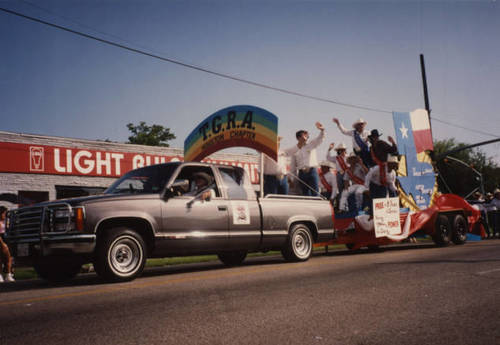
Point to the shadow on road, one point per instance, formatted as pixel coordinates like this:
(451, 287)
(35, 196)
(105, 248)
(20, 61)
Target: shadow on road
(91, 279)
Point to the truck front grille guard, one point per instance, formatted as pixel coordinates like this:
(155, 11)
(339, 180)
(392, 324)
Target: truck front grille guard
(29, 222)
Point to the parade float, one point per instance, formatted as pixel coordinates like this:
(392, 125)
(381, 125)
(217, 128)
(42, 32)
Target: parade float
(419, 208)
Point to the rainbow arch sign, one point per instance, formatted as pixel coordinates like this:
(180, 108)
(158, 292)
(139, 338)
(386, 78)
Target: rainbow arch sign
(239, 125)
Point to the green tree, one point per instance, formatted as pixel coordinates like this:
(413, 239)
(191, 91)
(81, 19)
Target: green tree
(154, 135)
(460, 176)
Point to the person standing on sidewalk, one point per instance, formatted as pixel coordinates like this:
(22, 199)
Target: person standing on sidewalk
(6, 259)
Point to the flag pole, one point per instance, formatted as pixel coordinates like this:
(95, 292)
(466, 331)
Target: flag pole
(426, 94)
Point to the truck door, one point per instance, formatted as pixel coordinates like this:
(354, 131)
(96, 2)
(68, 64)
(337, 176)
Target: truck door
(194, 225)
(244, 212)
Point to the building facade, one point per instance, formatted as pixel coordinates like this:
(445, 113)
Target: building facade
(35, 168)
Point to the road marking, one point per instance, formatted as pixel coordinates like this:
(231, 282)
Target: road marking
(490, 271)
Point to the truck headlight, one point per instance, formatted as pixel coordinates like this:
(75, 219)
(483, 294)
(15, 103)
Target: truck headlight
(63, 213)
(67, 219)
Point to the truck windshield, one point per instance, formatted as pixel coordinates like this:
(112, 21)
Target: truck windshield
(147, 180)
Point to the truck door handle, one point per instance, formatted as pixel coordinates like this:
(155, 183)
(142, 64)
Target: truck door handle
(222, 208)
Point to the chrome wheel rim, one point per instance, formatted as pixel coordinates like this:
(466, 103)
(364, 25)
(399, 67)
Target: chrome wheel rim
(302, 243)
(125, 255)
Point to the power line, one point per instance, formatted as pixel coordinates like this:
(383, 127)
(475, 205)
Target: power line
(205, 70)
(191, 66)
(466, 128)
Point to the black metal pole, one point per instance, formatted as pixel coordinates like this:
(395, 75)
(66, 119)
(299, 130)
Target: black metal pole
(424, 80)
(444, 154)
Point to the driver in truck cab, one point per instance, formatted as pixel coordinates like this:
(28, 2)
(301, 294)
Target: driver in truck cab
(201, 181)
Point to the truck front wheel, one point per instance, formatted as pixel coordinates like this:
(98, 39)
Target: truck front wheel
(299, 244)
(120, 255)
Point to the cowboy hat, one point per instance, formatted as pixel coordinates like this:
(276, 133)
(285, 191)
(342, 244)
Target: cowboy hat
(203, 176)
(326, 164)
(352, 155)
(341, 146)
(358, 121)
(374, 133)
(392, 159)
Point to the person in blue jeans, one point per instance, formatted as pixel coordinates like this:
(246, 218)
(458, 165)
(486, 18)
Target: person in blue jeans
(276, 174)
(304, 161)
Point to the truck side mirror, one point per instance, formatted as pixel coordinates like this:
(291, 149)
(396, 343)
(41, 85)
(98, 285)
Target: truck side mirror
(179, 187)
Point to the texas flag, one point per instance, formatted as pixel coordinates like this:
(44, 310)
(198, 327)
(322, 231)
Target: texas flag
(421, 130)
(413, 136)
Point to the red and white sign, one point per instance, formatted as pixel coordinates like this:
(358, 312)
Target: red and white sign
(53, 160)
(36, 159)
(386, 217)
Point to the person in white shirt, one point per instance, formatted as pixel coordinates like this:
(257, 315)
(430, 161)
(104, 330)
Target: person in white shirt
(329, 188)
(493, 213)
(340, 163)
(382, 183)
(304, 160)
(354, 182)
(360, 142)
(275, 173)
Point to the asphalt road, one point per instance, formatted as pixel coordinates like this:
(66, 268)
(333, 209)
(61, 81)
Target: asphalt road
(409, 295)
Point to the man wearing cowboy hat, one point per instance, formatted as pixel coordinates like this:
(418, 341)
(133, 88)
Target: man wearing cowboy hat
(340, 163)
(202, 181)
(304, 160)
(381, 149)
(354, 182)
(359, 134)
(275, 173)
(383, 184)
(328, 180)
(494, 213)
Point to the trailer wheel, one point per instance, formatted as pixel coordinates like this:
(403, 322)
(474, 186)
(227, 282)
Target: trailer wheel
(442, 231)
(459, 235)
(350, 246)
(57, 270)
(232, 258)
(120, 255)
(374, 248)
(299, 244)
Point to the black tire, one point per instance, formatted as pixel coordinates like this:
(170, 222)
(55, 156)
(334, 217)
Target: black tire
(232, 258)
(57, 270)
(299, 244)
(120, 255)
(459, 230)
(442, 231)
(374, 248)
(350, 246)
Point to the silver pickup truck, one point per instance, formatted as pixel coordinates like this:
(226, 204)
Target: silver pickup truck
(153, 212)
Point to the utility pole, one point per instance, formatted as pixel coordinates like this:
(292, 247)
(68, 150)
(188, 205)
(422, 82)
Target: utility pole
(426, 95)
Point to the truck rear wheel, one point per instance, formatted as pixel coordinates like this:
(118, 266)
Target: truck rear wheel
(120, 255)
(299, 244)
(442, 231)
(459, 231)
(57, 270)
(232, 258)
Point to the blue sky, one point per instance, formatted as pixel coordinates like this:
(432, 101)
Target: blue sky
(363, 53)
